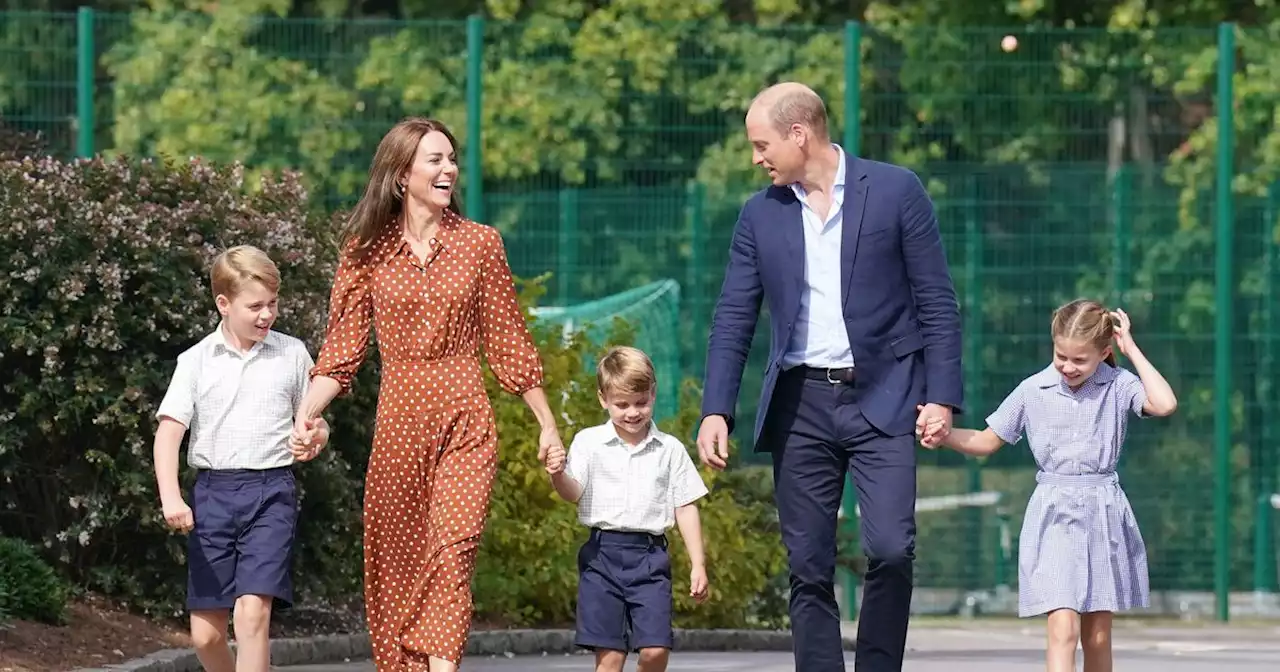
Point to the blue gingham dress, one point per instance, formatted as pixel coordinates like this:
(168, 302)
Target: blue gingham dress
(1080, 548)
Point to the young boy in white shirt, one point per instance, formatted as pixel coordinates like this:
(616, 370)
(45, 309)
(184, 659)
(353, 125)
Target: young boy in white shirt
(631, 482)
(236, 392)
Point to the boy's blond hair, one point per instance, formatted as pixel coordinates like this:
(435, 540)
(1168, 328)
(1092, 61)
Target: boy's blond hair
(625, 370)
(240, 265)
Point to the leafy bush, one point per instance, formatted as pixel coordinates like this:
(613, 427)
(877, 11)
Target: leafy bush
(29, 588)
(108, 282)
(16, 143)
(105, 281)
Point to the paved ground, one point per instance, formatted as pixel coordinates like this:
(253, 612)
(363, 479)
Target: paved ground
(965, 648)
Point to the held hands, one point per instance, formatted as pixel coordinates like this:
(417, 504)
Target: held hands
(308, 438)
(555, 460)
(932, 425)
(699, 588)
(548, 441)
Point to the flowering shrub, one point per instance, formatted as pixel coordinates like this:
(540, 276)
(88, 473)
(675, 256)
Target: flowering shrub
(104, 280)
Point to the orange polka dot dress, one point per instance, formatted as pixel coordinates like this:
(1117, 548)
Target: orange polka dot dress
(435, 443)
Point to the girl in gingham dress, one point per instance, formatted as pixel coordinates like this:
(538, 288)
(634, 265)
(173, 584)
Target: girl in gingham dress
(1081, 557)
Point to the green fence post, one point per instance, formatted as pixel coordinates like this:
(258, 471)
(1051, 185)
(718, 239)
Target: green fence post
(973, 362)
(852, 146)
(475, 105)
(1264, 567)
(696, 280)
(1122, 191)
(1004, 546)
(567, 250)
(1264, 552)
(1224, 299)
(852, 87)
(85, 61)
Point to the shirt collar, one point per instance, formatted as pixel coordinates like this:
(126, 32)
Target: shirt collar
(652, 436)
(449, 223)
(838, 184)
(1049, 377)
(220, 344)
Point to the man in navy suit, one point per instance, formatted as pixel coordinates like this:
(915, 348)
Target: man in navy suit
(865, 349)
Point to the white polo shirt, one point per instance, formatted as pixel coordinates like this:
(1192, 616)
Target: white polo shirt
(238, 407)
(631, 488)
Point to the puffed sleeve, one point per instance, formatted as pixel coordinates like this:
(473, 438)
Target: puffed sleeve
(1132, 392)
(1009, 420)
(346, 337)
(505, 337)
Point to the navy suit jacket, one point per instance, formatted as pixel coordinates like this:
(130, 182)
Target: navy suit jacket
(900, 309)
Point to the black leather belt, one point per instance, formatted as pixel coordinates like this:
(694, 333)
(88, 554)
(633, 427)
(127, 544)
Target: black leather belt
(844, 376)
(627, 537)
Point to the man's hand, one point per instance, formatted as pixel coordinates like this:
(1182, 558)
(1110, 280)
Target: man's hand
(933, 424)
(713, 441)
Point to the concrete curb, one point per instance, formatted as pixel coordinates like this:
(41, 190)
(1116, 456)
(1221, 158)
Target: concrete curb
(342, 648)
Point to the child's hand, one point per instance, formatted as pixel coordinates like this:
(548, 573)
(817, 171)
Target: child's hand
(555, 460)
(177, 515)
(1122, 332)
(698, 587)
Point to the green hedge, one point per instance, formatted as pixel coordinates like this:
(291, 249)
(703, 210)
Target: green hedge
(108, 283)
(29, 588)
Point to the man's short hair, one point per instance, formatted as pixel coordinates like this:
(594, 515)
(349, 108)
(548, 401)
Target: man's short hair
(794, 103)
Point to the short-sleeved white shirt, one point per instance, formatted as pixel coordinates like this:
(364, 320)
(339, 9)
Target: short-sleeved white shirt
(631, 488)
(238, 407)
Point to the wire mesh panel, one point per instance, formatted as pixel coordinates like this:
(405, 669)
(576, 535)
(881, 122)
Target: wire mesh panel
(38, 77)
(611, 154)
(1047, 153)
(648, 315)
(308, 95)
(1257, 343)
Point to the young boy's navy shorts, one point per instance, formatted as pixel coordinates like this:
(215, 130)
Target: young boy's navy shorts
(624, 591)
(242, 544)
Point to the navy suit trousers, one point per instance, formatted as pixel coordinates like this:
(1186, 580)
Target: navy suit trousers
(816, 433)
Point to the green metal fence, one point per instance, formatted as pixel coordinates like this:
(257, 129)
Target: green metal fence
(1062, 162)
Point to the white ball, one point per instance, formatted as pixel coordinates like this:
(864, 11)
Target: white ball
(1009, 43)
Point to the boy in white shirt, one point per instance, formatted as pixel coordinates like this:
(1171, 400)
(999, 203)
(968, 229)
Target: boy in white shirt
(236, 391)
(631, 482)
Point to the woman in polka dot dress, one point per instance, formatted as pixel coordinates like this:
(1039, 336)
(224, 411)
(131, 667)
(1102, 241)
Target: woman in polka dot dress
(438, 290)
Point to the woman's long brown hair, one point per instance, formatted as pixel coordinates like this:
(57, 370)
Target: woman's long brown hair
(382, 204)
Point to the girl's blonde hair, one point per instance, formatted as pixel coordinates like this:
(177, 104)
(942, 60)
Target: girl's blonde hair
(1088, 321)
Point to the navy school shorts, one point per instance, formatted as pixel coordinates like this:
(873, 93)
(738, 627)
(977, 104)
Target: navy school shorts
(242, 544)
(624, 592)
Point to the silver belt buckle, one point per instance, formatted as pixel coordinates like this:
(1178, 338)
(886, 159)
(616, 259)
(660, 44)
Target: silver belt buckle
(829, 378)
